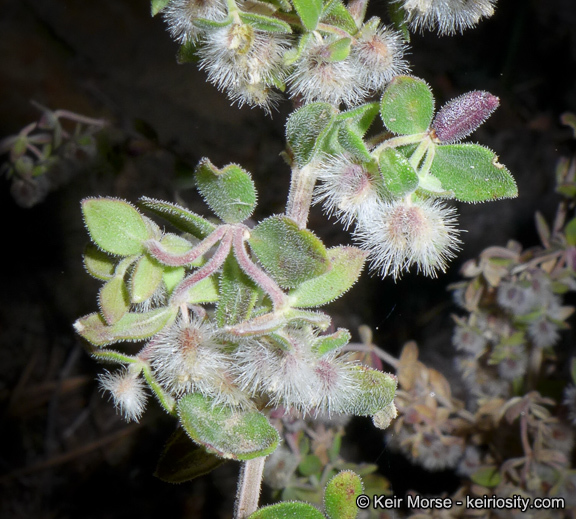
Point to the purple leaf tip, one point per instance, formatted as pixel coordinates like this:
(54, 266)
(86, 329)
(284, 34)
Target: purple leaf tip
(461, 116)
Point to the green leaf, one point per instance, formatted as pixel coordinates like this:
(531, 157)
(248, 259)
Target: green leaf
(353, 143)
(114, 225)
(346, 265)
(229, 192)
(407, 105)
(238, 294)
(309, 12)
(487, 477)
(210, 25)
(172, 277)
(399, 176)
(573, 370)
(187, 52)
(157, 6)
(265, 23)
(310, 465)
(339, 50)
(473, 173)
(306, 127)
(288, 510)
(146, 278)
(337, 15)
(327, 343)
(226, 432)
(179, 217)
(570, 231)
(360, 118)
(341, 493)
(375, 392)
(205, 291)
(131, 327)
(291, 255)
(183, 460)
(98, 264)
(177, 245)
(113, 300)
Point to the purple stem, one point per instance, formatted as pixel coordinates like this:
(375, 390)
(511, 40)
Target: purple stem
(179, 260)
(255, 273)
(180, 292)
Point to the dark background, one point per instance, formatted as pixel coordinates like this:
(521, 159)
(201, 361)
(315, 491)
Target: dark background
(64, 452)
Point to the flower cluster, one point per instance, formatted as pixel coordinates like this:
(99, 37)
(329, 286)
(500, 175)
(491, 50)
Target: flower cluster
(446, 16)
(253, 61)
(515, 318)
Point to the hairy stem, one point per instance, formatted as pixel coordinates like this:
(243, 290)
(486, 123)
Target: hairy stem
(300, 196)
(254, 272)
(249, 487)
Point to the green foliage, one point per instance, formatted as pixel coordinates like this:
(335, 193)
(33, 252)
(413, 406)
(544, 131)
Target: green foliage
(228, 433)
(181, 218)
(345, 266)
(287, 510)
(183, 460)
(309, 12)
(473, 173)
(115, 226)
(133, 326)
(290, 254)
(399, 176)
(407, 105)
(340, 495)
(229, 192)
(306, 127)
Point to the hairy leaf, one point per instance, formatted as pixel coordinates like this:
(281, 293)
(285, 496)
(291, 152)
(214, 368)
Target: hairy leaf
(229, 192)
(340, 495)
(115, 225)
(226, 432)
(346, 265)
(183, 460)
(407, 105)
(473, 173)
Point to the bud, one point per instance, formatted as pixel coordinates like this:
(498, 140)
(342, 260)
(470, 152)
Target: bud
(461, 116)
(127, 390)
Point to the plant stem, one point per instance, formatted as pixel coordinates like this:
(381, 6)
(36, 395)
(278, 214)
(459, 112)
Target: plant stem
(249, 484)
(300, 197)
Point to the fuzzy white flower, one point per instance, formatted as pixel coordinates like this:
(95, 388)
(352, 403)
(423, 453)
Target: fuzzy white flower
(447, 16)
(296, 377)
(128, 392)
(543, 332)
(514, 362)
(245, 62)
(187, 356)
(378, 54)
(404, 233)
(180, 14)
(346, 187)
(469, 340)
(316, 77)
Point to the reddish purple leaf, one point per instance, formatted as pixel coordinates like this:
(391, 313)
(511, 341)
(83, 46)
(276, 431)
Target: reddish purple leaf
(461, 116)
